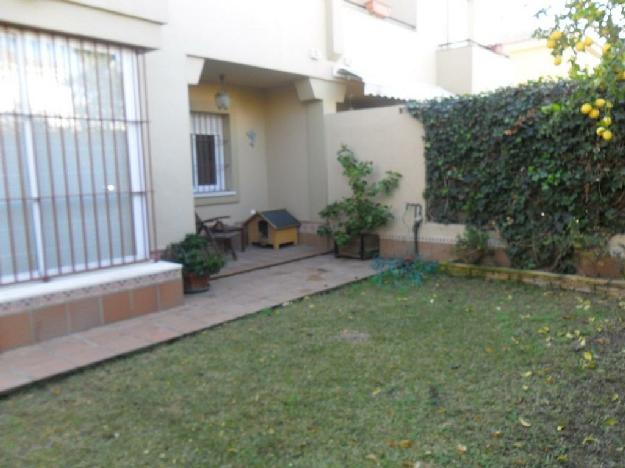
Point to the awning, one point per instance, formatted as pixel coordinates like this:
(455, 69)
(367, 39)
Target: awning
(389, 88)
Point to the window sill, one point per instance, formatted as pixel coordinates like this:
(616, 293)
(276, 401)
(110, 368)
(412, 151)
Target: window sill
(215, 198)
(213, 194)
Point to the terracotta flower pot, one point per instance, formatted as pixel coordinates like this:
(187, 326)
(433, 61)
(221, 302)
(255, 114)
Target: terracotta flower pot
(378, 8)
(470, 256)
(595, 265)
(195, 284)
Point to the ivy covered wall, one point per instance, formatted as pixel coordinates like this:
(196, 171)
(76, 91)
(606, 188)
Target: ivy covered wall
(521, 161)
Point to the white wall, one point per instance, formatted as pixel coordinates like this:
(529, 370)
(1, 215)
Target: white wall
(385, 51)
(472, 69)
(393, 141)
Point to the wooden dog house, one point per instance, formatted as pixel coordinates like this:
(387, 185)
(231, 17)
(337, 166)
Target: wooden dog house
(273, 227)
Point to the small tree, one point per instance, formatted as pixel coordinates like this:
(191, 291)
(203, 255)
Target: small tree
(592, 27)
(359, 213)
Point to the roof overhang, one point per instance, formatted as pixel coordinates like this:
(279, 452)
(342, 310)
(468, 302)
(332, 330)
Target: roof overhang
(403, 90)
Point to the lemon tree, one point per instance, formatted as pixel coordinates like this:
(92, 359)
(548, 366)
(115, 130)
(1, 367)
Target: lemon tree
(590, 33)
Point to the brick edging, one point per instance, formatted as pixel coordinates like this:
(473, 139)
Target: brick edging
(609, 287)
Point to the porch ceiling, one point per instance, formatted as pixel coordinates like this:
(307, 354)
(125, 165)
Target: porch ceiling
(245, 75)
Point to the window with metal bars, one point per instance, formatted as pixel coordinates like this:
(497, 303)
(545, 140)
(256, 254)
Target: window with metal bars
(211, 165)
(72, 169)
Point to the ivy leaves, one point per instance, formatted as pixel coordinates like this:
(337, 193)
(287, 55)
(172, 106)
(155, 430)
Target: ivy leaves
(524, 161)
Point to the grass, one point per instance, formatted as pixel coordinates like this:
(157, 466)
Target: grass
(455, 372)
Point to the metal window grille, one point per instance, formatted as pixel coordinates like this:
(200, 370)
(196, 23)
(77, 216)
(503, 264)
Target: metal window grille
(73, 178)
(211, 162)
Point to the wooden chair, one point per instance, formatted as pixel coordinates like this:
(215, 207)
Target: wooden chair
(219, 234)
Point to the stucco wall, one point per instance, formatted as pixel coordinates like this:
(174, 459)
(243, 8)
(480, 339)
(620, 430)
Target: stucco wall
(287, 159)
(472, 69)
(392, 140)
(83, 20)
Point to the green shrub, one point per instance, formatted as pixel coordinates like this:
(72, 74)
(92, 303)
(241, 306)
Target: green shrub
(195, 256)
(359, 213)
(524, 161)
(472, 245)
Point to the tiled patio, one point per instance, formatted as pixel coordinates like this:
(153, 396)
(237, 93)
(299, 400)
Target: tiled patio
(230, 297)
(261, 257)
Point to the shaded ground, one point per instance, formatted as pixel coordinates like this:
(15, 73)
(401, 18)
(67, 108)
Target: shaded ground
(453, 373)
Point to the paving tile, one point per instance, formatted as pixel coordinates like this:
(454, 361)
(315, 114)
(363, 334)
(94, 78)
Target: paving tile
(10, 380)
(178, 323)
(43, 367)
(78, 351)
(151, 332)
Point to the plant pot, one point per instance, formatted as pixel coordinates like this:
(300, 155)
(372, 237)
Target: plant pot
(362, 247)
(470, 256)
(378, 8)
(595, 265)
(195, 284)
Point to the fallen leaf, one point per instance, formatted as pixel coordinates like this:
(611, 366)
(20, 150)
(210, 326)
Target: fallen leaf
(563, 458)
(496, 434)
(615, 397)
(611, 422)
(372, 457)
(528, 374)
(589, 440)
(462, 449)
(405, 443)
(588, 356)
(524, 422)
(376, 391)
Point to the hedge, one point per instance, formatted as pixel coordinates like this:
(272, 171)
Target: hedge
(524, 160)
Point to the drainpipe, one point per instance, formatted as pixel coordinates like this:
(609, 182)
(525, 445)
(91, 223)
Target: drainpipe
(416, 225)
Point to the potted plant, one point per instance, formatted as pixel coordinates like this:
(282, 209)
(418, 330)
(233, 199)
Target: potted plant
(593, 258)
(197, 260)
(472, 246)
(351, 221)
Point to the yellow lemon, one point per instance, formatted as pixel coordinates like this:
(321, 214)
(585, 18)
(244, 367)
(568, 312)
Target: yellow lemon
(585, 109)
(580, 47)
(606, 122)
(551, 44)
(600, 103)
(607, 135)
(600, 131)
(594, 114)
(606, 48)
(556, 35)
(587, 41)
(557, 60)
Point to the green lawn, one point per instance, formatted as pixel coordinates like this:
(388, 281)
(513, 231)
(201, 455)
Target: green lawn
(453, 373)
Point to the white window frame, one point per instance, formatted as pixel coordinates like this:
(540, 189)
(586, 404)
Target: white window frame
(210, 123)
